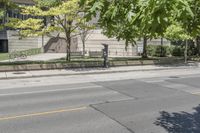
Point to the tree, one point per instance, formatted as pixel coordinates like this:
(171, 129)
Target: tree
(115, 17)
(84, 30)
(155, 16)
(4, 6)
(60, 18)
(129, 20)
(194, 22)
(186, 23)
(176, 32)
(45, 4)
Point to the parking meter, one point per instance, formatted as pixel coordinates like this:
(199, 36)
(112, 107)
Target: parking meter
(105, 55)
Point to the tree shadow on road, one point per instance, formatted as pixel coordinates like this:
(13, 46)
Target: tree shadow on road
(182, 122)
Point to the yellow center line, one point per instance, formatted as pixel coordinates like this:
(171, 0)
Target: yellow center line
(41, 113)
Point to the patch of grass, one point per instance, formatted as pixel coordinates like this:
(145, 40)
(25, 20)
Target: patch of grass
(4, 56)
(29, 52)
(33, 51)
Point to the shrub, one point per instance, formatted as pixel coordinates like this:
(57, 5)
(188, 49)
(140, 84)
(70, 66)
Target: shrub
(158, 50)
(177, 51)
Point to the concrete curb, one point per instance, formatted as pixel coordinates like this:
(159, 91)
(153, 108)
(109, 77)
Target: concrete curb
(102, 72)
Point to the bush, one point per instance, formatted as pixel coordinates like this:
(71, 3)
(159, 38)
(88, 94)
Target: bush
(178, 48)
(177, 51)
(158, 50)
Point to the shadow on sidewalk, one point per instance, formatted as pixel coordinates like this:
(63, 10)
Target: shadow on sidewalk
(182, 122)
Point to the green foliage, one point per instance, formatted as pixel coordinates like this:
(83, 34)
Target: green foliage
(164, 51)
(190, 20)
(177, 32)
(129, 20)
(4, 6)
(45, 4)
(28, 27)
(115, 18)
(158, 51)
(2, 12)
(62, 18)
(4, 56)
(154, 16)
(52, 18)
(137, 18)
(177, 51)
(29, 52)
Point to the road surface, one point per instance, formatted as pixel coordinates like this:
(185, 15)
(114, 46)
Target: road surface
(157, 102)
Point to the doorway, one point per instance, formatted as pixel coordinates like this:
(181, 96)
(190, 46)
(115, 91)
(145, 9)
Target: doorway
(3, 46)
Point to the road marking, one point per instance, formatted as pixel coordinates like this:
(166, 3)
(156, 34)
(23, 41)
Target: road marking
(45, 91)
(42, 113)
(195, 93)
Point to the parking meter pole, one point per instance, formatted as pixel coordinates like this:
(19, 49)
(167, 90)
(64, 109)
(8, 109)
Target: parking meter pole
(105, 55)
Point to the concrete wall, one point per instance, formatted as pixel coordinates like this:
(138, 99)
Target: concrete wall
(116, 48)
(17, 44)
(93, 43)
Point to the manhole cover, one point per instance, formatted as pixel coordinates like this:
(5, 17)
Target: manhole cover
(19, 73)
(174, 77)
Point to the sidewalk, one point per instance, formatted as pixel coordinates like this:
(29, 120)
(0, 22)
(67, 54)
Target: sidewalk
(87, 71)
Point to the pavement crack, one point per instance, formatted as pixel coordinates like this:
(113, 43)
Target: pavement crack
(125, 94)
(106, 102)
(127, 128)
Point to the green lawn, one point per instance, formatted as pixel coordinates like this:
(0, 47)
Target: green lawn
(4, 56)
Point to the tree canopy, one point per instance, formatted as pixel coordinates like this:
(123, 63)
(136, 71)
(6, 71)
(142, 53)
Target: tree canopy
(54, 18)
(4, 6)
(129, 20)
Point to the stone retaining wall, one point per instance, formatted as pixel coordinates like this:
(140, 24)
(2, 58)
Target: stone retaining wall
(27, 67)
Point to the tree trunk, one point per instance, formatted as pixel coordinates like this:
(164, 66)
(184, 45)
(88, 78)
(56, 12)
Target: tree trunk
(198, 45)
(68, 48)
(144, 54)
(68, 37)
(83, 48)
(42, 50)
(186, 49)
(161, 48)
(83, 39)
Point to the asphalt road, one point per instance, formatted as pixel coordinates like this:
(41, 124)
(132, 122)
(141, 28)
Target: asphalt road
(146, 105)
